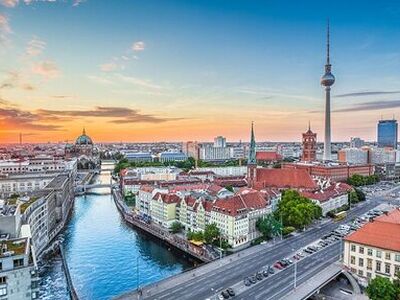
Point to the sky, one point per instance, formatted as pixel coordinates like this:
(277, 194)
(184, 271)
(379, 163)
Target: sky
(177, 70)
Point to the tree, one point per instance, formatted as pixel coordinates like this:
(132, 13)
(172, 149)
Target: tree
(381, 288)
(211, 233)
(396, 284)
(360, 195)
(195, 236)
(353, 197)
(176, 227)
(230, 188)
(296, 210)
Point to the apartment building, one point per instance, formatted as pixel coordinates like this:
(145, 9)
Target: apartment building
(18, 276)
(374, 249)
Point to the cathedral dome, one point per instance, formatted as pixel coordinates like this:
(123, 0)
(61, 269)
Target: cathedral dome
(84, 139)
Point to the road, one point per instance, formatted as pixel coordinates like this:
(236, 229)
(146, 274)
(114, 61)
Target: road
(205, 281)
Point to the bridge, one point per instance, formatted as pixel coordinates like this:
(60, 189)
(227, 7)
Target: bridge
(208, 280)
(314, 284)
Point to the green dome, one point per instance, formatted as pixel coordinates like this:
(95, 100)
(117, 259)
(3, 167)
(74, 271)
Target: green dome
(84, 139)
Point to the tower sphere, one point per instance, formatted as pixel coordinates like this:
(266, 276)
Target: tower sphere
(327, 79)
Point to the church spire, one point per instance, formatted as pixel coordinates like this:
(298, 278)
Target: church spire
(252, 153)
(83, 131)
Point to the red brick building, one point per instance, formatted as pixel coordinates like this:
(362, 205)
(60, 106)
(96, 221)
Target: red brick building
(309, 146)
(336, 172)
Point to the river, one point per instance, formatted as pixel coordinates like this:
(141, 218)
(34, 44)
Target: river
(105, 256)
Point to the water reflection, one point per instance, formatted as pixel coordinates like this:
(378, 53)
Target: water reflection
(102, 253)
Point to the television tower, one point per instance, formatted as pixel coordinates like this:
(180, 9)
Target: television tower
(327, 80)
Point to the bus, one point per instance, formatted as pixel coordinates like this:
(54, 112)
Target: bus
(340, 216)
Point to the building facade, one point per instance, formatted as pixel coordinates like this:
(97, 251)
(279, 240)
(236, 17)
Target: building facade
(374, 249)
(387, 133)
(309, 146)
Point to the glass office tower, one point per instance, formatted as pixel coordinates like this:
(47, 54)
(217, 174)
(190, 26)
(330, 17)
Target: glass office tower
(387, 133)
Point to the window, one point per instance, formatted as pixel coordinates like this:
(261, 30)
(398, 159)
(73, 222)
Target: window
(387, 268)
(353, 248)
(1, 266)
(397, 257)
(361, 250)
(378, 253)
(3, 291)
(369, 264)
(360, 272)
(353, 260)
(361, 262)
(369, 275)
(378, 266)
(387, 255)
(3, 280)
(396, 269)
(18, 262)
(369, 251)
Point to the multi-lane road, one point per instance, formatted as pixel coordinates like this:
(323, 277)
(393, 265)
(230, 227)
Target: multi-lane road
(208, 280)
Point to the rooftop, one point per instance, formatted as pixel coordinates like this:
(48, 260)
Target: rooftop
(285, 178)
(383, 232)
(13, 247)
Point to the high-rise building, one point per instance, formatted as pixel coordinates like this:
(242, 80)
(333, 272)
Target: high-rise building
(219, 142)
(309, 145)
(387, 133)
(356, 142)
(327, 80)
(191, 149)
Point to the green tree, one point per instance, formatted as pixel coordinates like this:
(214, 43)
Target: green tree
(230, 188)
(381, 288)
(296, 210)
(360, 195)
(353, 197)
(396, 284)
(176, 227)
(211, 233)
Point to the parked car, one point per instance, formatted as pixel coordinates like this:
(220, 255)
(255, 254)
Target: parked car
(231, 292)
(247, 282)
(278, 265)
(259, 276)
(225, 294)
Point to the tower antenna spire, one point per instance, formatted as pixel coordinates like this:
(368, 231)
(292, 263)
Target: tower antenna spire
(327, 43)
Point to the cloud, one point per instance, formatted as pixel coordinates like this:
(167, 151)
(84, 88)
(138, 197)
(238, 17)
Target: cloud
(139, 82)
(99, 79)
(5, 29)
(35, 47)
(9, 3)
(16, 118)
(13, 80)
(77, 2)
(46, 69)
(138, 46)
(375, 105)
(61, 96)
(367, 93)
(109, 67)
(120, 115)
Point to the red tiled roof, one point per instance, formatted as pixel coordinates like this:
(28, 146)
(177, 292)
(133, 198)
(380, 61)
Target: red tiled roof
(240, 203)
(268, 156)
(392, 217)
(284, 178)
(147, 188)
(384, 235)
(335, 190)
(167, 198)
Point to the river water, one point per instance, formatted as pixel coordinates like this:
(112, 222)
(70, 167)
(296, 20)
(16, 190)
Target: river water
(105, 256)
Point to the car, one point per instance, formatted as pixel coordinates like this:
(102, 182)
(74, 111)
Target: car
(265, 273)
(296, 257)
(283, 263)
(220, 297)
(306, 250)
(271, 270)
(278, 265)
(231, 292)
(225, 294)
(259, 276)
(247, 282)
(253, 279)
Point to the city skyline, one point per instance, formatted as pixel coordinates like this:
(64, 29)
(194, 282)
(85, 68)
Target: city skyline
(185, 71)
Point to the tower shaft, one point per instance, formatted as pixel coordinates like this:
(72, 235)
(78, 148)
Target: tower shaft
(327, 141)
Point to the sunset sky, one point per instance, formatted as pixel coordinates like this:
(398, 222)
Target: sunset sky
(161, 70)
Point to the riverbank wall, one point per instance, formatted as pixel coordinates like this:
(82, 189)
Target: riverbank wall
(169, 238)
(71, 288)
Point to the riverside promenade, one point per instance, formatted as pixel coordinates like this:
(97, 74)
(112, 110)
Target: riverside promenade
(177, 242)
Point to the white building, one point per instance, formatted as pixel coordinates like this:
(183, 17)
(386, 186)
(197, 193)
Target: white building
(18, 275)
(374, 249)
(219, 142)
(210, 153)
